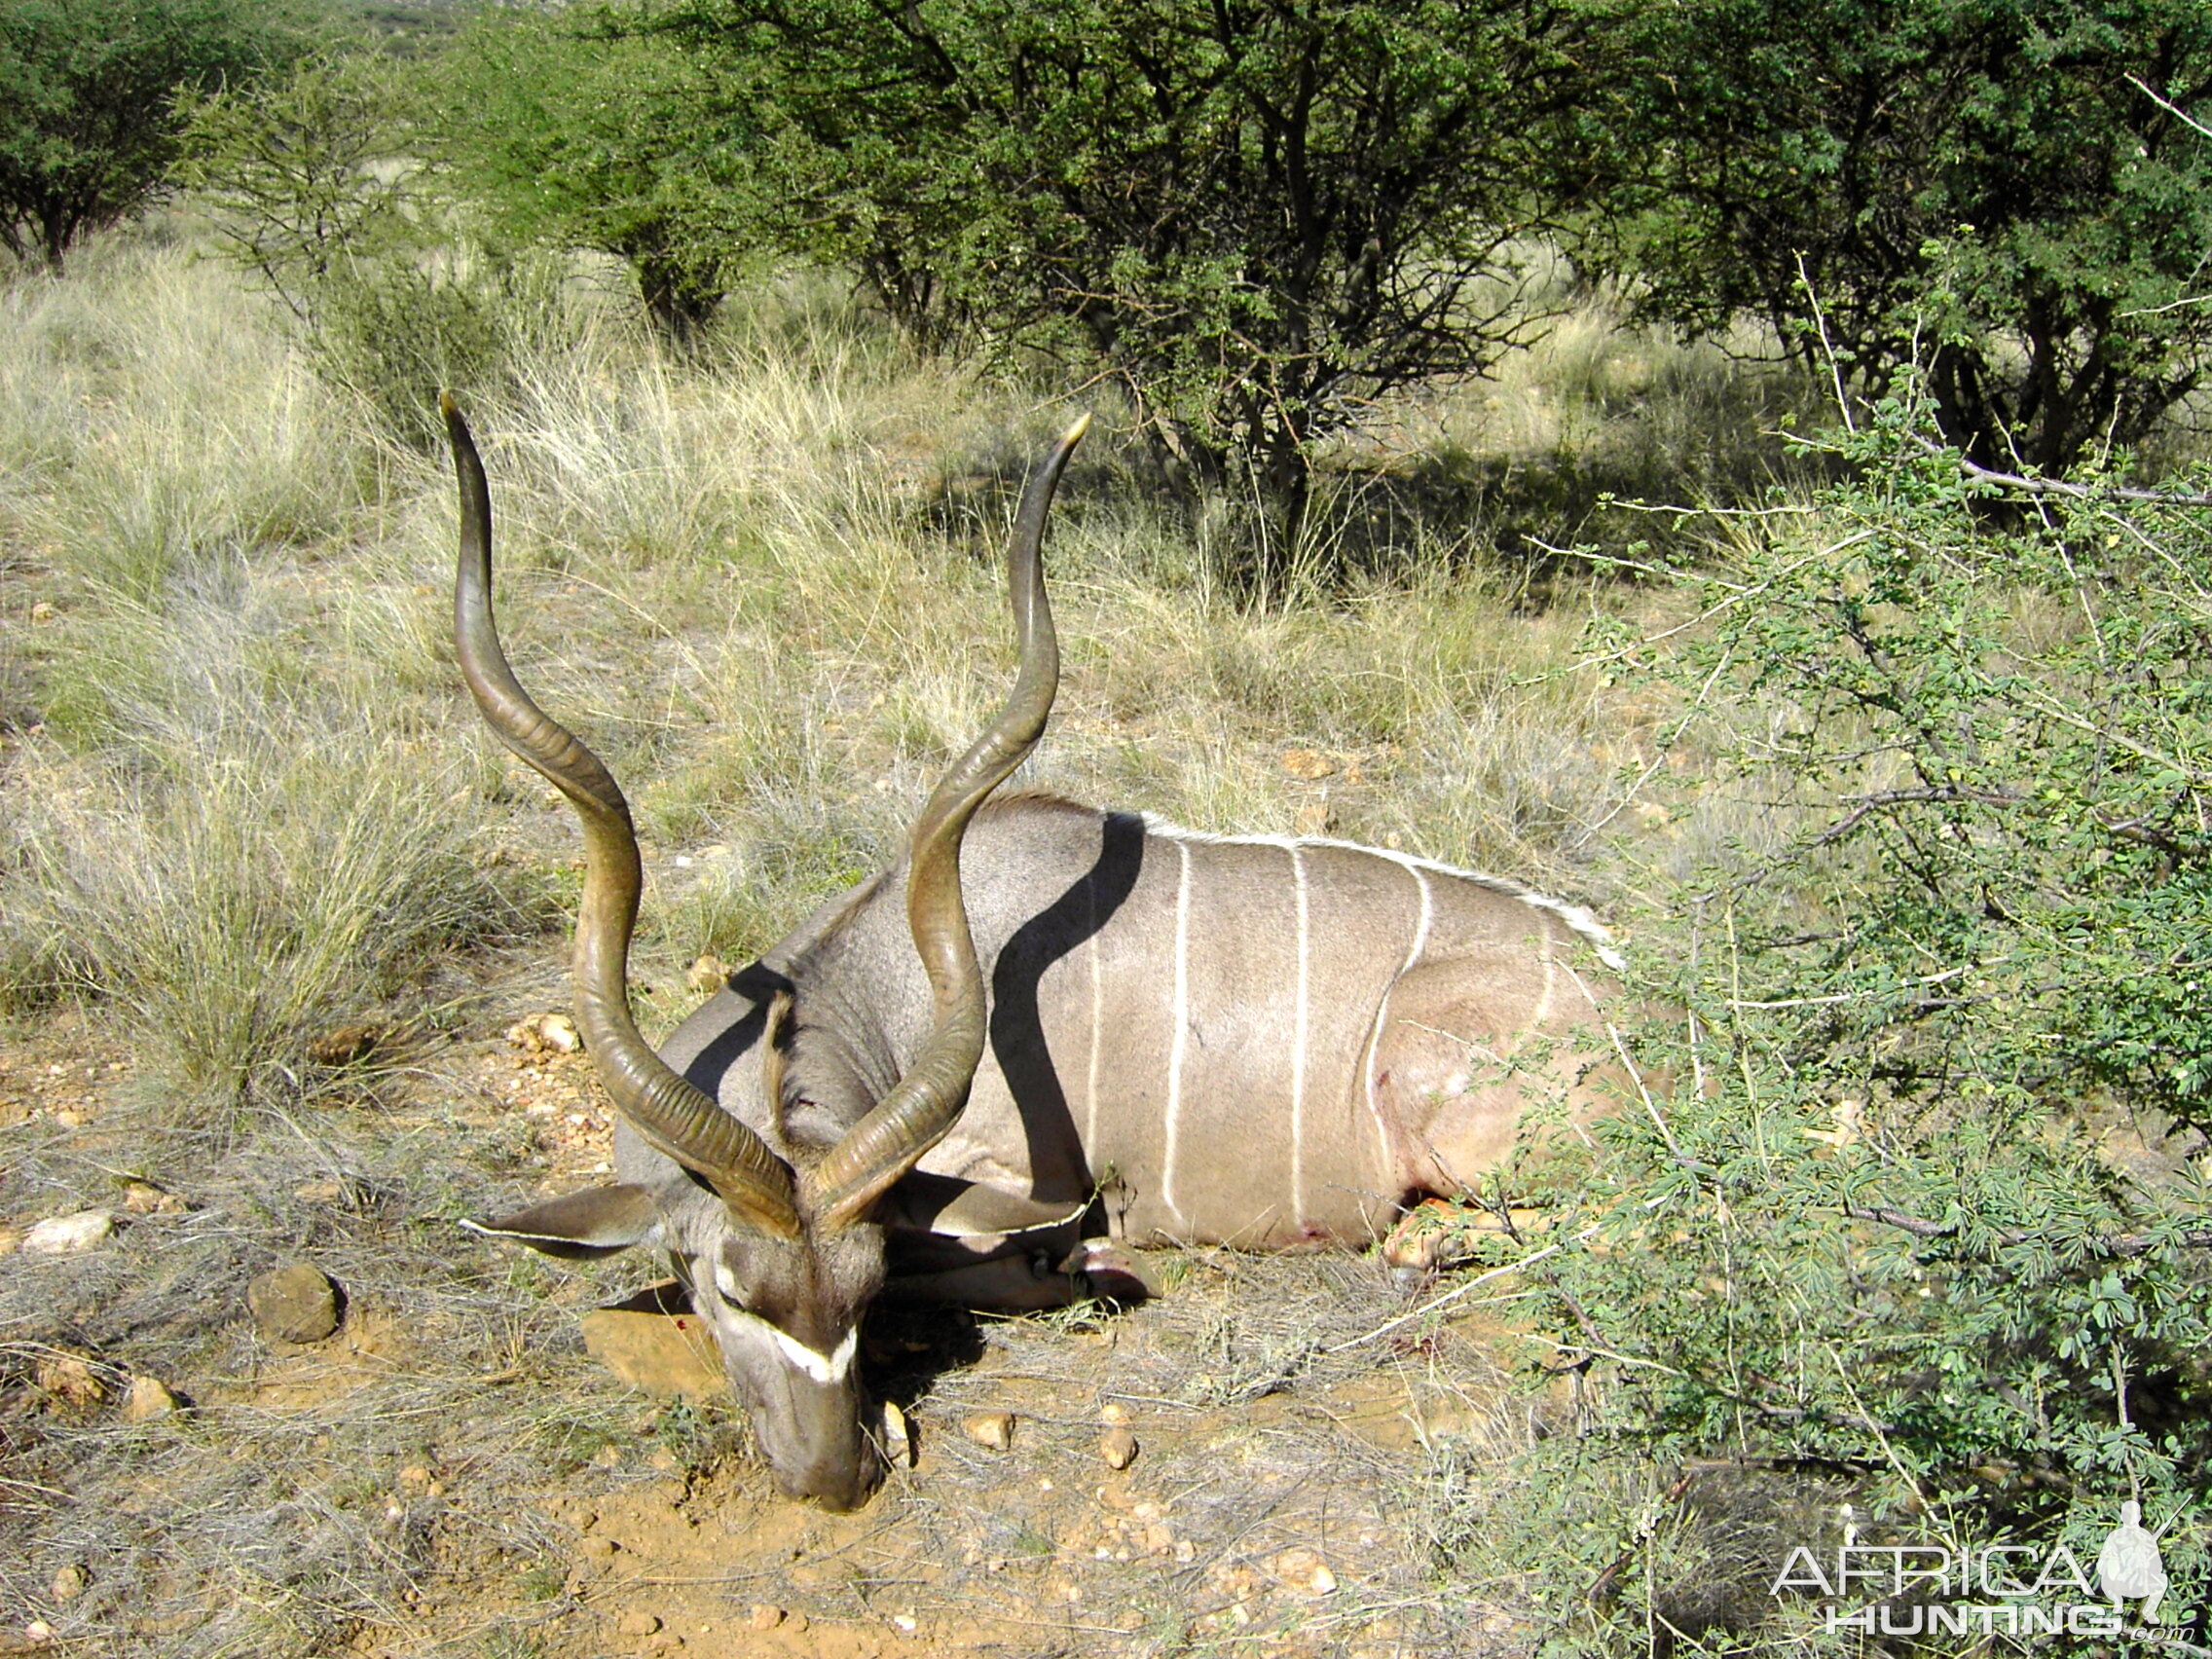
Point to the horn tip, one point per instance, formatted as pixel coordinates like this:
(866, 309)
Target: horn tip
(1073, 434)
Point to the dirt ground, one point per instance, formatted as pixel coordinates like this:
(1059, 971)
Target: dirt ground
(450, 1473)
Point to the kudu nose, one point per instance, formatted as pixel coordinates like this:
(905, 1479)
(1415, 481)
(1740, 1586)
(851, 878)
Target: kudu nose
(839, 1487)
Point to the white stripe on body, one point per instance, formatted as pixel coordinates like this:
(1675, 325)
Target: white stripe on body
(1383, 1013)
(1097, 1029)
(1297, 1047)
(1180, 1012)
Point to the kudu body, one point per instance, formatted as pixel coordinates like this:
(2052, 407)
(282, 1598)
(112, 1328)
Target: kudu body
(1041, 1018)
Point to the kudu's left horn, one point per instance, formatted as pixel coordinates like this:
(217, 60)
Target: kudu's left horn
(665, 1108)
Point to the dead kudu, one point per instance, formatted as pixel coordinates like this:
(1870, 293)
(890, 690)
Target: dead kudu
(1048, 1024)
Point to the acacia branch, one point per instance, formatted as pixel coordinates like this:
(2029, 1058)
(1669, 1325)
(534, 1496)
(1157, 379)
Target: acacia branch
(2120, 1244)
(2061, 487)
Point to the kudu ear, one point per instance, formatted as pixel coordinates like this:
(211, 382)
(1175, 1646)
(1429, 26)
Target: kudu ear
(595, 1222)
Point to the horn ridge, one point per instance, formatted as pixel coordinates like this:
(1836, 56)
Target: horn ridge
(671, 1113)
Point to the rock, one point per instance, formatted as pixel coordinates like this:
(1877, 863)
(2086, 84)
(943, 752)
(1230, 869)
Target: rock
(69, 1583)
(294, 1304)
(599, 1549)
(669, 1355)
(638, 1624)
(1112, 1412)
(68, 1380)
(708, 974)
(1309, 765)
(994, 1430)
(143, 1198)
(1119, 1447)
(149, 1398)
(10, 1237)
(38, 1633)
(544, 1033)
(69, 1235)
(897, 1436)
(1303, 1571)
(763, 1617)
(343, 1045)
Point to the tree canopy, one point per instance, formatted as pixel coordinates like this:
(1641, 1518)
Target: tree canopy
(1987, 188)
(575, 133)
(88, 93)
(1257, 219)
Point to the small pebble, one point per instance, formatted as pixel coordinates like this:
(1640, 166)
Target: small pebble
(1119, 1447)
(599, 1549)
(68, 1379)
(149, 1398)
(296, 1303)
(69, 1235)
(707, 974)
(69, 1583)
(763, 1616)
(541, 1033)
(638, 1624)
(143, 1198)
(1303, 1569)
(994, 1430)
(898, 1437)
(1112, 1412)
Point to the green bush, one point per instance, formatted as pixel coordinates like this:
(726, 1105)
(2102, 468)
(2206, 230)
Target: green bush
(304, 176)
(316, 191)
(1257, 221)
(570, 136)
(87, 122)
(1927, 1204)
(1987, 187)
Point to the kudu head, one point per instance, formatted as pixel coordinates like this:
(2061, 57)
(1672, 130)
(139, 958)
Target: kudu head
(776, 1241)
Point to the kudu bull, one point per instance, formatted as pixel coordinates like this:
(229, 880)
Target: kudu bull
(1043, 1013)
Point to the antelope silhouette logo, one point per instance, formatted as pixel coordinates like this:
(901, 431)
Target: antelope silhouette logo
(2130, 1565)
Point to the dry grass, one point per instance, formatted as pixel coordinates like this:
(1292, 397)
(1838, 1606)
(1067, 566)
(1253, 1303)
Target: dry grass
(242, 799)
